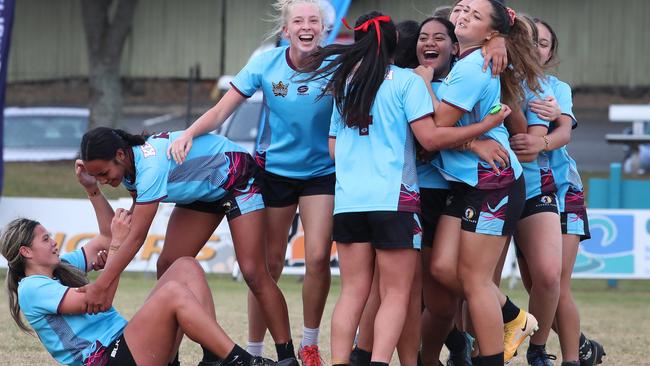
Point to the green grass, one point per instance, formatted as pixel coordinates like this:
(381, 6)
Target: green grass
(616, 317)
(51, 179)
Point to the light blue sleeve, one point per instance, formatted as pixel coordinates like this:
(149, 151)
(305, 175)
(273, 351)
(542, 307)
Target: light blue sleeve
(417, 103)
(77, 259)
(465, 85)
(335, 121)
(249, 79)
(565, 100)
(39, 295)
(532, 117)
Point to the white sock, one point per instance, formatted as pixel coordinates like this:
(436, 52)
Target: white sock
(309, 336)
(255, 348)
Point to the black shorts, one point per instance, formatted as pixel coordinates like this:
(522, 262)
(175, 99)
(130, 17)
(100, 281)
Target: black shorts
(115, 354)
(545, 202)
(433, 202)
(279, 191)
(575, 223)
(383, 229)
(244, 193)
(487, 211)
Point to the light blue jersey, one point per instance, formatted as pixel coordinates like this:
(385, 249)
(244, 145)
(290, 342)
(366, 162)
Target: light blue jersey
(567, 179)
(428, 175)
(375, 165)
(474, 91)
(293, 137)
(538, 174)
(211, 166)
(69, 338)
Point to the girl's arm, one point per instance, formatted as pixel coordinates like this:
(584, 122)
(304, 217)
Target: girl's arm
(516, 122)
(75, 301)
(331, 144)
(209, 121)
(526, 144)
(536, 133)
(433, 137)
(99, 295)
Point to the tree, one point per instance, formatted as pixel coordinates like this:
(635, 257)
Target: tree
(107, 23)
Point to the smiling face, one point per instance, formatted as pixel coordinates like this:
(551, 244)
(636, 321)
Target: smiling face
(110, 172)
(474, 24)
(435, 48)
(303, 27)
(545, 43)
(42, 251)
(457, 10)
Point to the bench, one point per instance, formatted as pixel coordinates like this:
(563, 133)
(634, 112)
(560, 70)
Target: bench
(639, 115)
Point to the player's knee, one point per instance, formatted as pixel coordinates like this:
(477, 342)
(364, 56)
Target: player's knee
(548, 280)
(442, 272)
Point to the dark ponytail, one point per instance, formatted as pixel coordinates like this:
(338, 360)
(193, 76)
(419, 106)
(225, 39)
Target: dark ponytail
(102, 143)
(525, 69)
(357, 70)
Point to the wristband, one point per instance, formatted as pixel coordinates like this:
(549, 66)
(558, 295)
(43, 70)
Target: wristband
(495, 109)
(545, 138)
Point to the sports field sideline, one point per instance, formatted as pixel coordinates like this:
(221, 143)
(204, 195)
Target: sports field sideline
(619, 318)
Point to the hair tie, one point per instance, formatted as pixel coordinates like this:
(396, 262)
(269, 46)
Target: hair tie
(512, 14)
(366, 25)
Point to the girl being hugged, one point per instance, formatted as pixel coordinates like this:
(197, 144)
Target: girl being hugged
(378, 110)
(47, 289)
(488, 201)
(293, 155)
(217, 180)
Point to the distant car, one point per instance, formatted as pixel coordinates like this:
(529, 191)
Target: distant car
(43, 133)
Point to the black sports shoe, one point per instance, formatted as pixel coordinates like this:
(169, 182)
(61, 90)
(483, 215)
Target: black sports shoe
(593, 355)
(539, 357)
(261, 361)
(463, 358)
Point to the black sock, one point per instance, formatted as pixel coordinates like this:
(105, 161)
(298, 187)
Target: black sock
(509, 311)
(455, 341)
(475, 361)
(494, 360)
(175, 362)
(373, 363)
(237, 354)
(209, 356)
(285, 350)
(361, 357)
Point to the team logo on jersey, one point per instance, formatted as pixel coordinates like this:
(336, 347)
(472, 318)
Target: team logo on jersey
(470, 212)
(389, 75)
(303, 90)
(450, 199)
(546, 199)
(148, 150)
(280, 89)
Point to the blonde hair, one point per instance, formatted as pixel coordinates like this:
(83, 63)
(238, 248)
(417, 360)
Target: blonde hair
(20, 232)
(281, 17)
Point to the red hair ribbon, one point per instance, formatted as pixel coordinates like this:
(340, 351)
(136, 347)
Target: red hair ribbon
(512, 14)
(365, 25)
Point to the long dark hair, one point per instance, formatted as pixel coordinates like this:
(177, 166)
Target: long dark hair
(522, 55)
(407, 33)
(20, 232)
(102, 143)
(554, 60)
(357, 70)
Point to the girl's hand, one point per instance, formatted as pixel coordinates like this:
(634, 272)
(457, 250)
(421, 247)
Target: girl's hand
(120, 226)
(100, 261)
(526, 144)
(546, 109)
(497, 118)
(491, 152)
(495, 51)
(86, 180)
(425, 72)
(180, 148)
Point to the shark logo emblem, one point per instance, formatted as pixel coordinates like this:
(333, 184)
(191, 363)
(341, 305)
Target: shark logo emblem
(280, 89)
(470, 212)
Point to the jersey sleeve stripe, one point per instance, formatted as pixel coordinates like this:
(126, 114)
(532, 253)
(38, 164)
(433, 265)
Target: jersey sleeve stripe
(455, 106)
(151, 201)
(239, 91)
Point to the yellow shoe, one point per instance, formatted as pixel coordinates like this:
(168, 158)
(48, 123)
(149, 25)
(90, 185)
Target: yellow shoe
(515, 333)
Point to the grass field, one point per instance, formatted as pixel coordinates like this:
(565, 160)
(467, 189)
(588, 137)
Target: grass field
(619, 318)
